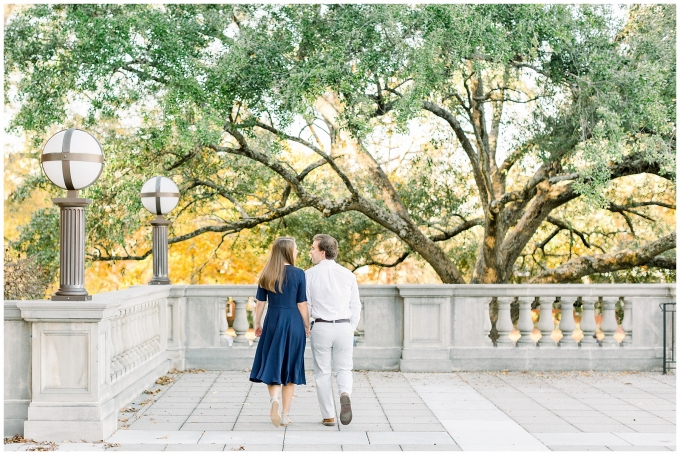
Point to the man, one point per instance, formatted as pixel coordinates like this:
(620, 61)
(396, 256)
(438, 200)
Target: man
(334, 307)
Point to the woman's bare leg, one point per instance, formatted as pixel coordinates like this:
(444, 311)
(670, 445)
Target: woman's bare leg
(275, 411)
(287, 394)
(273, 390)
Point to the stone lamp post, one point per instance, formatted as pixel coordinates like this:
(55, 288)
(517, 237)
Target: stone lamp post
(72, 159)
(159, 196)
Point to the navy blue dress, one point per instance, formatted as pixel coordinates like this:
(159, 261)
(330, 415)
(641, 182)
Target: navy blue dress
(279, 358)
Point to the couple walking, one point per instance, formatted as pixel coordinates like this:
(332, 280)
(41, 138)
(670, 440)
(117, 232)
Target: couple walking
(328, 294)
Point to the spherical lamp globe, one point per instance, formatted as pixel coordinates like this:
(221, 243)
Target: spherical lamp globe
(160, 195)
(72, 159)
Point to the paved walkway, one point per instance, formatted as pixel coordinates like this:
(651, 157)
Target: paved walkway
(396, 411)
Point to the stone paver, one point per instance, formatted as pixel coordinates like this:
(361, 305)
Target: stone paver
(394, 411)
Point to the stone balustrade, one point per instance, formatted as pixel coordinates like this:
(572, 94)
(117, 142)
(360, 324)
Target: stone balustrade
(135, 337)
(69, 366)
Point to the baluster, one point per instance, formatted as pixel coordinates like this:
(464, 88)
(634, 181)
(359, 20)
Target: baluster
(567, 324)
(136, 336)
(487, 326)
(360, 327)
(588, 325)
(224, 324)
(143, 332)
(126, 358)
(157, 325)
(241, 321)
(146, 333)
(149, 330)
(153, 306)
(149, 327)
(609, 324)
(546, 324)
(504, 323)
(116, 347)
(525, 324)
(120, 326)
(121, 343)
(129, 334)
(627, 323)
(153, 343)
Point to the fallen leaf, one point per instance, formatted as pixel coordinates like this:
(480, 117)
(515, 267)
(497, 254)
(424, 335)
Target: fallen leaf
(164, 380)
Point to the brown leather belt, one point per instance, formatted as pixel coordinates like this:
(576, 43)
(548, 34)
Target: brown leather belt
(336, 321)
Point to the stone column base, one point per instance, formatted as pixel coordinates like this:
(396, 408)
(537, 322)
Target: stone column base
(69, 421)
(425, 361)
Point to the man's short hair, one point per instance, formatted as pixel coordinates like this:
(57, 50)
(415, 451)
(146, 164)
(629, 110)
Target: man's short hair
(327, 244)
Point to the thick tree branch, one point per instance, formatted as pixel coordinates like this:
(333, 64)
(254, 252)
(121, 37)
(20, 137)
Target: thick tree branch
(398, 261)
(563, 225)
(142, 75)
(301, 177)
(663, 262)
(315, 149)
(401, 226)
(466, 225)
(648, 203)
(480, 180)
(227, 228)
(548, 197)
(541, 245)
(182, 160)
(286, 173)
(602, 263)
(221, 192)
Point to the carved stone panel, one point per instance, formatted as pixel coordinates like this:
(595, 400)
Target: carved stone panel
(65, 361)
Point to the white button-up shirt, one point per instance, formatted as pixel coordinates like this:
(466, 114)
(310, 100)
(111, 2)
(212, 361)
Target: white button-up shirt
(332, 293)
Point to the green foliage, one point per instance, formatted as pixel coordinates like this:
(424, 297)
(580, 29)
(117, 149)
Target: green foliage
(156, 84)
(39, 240)
(25, 278)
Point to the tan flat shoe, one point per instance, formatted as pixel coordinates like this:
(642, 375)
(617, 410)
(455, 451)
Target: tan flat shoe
(285, 420)
(274, 412)
(329, 422)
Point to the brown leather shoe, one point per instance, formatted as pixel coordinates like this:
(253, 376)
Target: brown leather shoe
(329, 422)
(345, 409)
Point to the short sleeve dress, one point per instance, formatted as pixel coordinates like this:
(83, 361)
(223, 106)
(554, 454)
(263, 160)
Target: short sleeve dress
(279, 358)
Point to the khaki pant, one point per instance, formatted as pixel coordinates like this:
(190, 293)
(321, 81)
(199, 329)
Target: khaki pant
(332, 350)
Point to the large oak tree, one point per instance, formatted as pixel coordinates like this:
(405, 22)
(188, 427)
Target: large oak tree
(531, 114)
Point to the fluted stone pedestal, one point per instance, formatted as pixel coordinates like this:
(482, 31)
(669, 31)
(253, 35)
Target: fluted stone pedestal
(72, 248)
(160, 251)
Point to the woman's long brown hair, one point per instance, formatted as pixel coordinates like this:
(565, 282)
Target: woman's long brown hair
(275, 269)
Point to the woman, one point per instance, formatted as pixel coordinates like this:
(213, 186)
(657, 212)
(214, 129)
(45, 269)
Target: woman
(279, 359)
